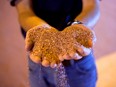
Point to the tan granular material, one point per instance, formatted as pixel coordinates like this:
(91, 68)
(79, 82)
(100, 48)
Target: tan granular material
(83, 35)
(49, 43)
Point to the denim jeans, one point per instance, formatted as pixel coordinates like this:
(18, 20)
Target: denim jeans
(80, 73)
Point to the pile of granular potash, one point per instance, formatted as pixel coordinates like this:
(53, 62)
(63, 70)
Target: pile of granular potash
(50, 43)
(48, 46)
(83, 35)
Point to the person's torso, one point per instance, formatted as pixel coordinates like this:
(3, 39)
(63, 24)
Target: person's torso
(57, 12)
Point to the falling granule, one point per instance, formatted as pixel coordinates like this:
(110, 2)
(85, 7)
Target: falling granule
(61, 77)
(50, 43)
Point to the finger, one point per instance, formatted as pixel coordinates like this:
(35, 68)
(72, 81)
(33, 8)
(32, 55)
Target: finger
(94, 37)
(72, 54)
(36, 59)
(80, 51)
(83, 51)
(53, 64)
(87, 51)
(90, 43)
(28, 42)
(66, 56)
(29, 45)
(45, 63)
(61, 58)
(76, 56)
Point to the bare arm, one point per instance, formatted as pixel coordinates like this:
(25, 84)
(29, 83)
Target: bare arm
(90, 13)
(27, 18)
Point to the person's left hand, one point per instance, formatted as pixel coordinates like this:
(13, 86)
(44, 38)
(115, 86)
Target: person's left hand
(79, 41)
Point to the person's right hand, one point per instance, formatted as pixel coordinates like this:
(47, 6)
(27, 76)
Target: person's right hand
(44, 46)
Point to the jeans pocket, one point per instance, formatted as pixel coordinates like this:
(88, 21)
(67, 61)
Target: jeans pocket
(86, 64)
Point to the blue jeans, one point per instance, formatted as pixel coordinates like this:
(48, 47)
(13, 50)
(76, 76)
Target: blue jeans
(80, 73)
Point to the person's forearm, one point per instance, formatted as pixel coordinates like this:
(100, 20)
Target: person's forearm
(90, 13)
(27, 18)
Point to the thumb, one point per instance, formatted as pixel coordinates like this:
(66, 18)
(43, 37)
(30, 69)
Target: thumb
(28, 44)
(29, 41)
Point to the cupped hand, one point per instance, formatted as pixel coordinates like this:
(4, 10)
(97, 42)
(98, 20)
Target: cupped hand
(44, 45)
(79, 41)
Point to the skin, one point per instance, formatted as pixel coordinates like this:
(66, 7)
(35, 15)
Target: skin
(28, 20)
(49, 43)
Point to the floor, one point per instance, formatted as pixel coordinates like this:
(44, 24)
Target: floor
(13, 62)
(106, 66)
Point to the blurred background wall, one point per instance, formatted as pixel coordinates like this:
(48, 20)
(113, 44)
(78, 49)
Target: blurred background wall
(13, 61)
